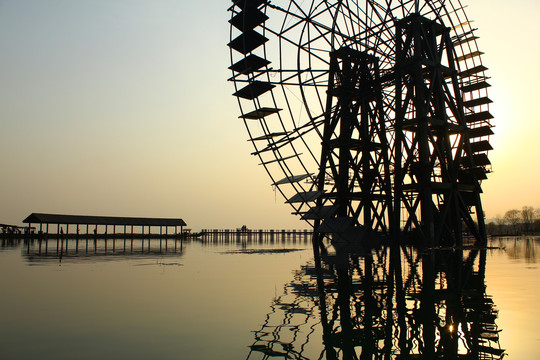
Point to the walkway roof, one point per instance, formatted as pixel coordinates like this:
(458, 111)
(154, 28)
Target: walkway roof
(38, 218)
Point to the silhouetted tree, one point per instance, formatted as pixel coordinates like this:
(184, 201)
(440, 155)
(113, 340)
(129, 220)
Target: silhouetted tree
(491, 228)
(499, 220)
(536, 222)
(513, 217)
(527, 214)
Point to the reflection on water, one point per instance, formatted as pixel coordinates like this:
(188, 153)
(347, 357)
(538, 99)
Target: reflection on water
(393, 304)
(519, 248)
(396, 303)
(66, 249)
(292, 328)
(8, 244)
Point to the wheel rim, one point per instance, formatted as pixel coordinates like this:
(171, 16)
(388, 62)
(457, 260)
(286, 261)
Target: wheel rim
(283, 103)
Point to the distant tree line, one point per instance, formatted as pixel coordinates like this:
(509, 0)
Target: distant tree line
(516, 222)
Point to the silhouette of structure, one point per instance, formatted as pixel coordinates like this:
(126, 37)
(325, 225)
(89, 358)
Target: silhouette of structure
(14, 229)
(82, 224)
(216, 236)
(369, 117)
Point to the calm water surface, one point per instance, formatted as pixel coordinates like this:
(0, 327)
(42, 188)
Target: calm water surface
(237, 300)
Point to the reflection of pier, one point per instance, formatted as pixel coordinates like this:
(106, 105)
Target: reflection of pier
(11, 242)
(63, 248)
(391, 304)
(255, 236)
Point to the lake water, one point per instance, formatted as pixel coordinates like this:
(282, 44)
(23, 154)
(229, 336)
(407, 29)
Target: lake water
(258, 299)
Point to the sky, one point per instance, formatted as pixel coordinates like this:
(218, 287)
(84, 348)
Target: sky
(123, 108)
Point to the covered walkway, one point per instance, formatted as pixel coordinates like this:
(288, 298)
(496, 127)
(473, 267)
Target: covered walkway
(82, 224)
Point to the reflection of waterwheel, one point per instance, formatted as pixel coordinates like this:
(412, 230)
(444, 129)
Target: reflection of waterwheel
(367, 113)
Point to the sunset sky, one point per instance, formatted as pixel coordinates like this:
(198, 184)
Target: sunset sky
(123, 108)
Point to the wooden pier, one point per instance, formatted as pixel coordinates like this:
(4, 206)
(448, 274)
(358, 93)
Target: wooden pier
(91, 236)
(101, 225)
(260, 236)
